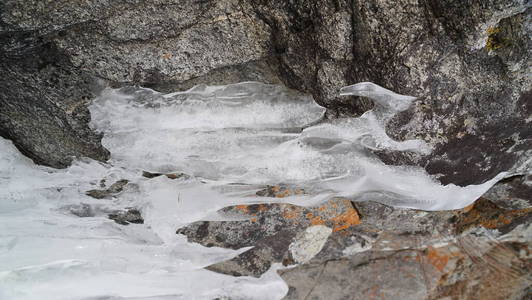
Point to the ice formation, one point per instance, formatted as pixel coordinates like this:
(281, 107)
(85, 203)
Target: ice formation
(57, 243)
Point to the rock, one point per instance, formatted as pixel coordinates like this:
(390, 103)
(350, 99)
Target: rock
(459, 258)
(265, 220)
(259, 259)
(488, 215)
(114, 189)
(497, 272)
(52, 56)
(43, 106)
(271, 229)
(512, 193)
(309, 243)
(168, 175)
(471, 97)
(380, 239)
(393, 276)
(468, 62)
(126, 217)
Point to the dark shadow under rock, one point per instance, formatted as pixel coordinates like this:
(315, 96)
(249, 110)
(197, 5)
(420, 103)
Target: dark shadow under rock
(43, 104)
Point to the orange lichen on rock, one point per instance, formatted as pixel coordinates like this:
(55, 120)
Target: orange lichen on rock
(346, 220)
(436, 258)
(291, 213)
(488, 215)
(243, 208)
(315, 220)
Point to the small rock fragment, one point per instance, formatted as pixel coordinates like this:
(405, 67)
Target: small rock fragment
(114, 189)
(309, 243)
(126, 217)
(169, 175)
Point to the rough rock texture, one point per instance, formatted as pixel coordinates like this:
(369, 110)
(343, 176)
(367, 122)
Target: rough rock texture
(479, 252)
(468, 62)
(127, 217)
(43, 106)
(51, 55)
(270, 228)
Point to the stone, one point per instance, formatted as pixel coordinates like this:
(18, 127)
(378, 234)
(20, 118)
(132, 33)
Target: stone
(275, 231)
(127, 217)
(488, 215)
(479, 256)
(512, 193)
(467, 62)
(309, 243)
(168, 175)
(113, 190)
(265, 220)
(452, 271)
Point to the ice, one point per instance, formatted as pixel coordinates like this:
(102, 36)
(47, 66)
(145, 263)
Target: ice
(381, 96)
(58, 243)
(47, 252)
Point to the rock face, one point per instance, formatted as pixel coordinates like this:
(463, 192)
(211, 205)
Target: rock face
(468, 62)
(345, 250)
(52, 54)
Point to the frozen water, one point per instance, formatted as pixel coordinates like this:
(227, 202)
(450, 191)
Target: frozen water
(47, 252)
(57, 243)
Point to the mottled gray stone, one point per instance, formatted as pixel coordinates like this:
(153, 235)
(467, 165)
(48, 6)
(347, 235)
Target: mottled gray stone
(53, 54)
(113, 190)
(468, 62)
(127, 217)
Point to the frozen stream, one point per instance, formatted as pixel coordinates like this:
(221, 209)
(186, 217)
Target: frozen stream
(232, 140)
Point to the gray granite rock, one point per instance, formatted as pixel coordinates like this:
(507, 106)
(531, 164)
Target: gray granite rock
(54, 55)
(126, 217)
(468, 62)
